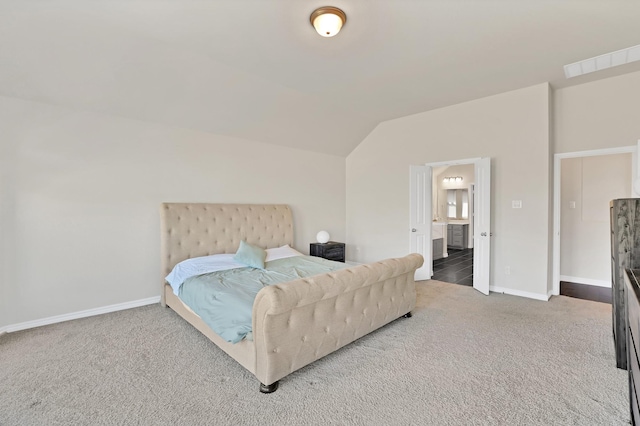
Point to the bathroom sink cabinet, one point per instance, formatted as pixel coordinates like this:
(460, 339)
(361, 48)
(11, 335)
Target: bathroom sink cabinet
(457, 236)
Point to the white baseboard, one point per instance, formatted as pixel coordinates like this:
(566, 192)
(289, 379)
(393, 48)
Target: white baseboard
(529, 295)
(3, 331)
(587, 281)
(80, 314)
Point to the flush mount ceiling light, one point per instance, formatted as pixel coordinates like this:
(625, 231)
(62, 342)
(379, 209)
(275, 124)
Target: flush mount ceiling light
(328, 20)
(608, 60)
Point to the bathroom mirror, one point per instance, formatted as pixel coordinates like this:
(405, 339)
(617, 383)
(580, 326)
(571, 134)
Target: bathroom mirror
(457, 204)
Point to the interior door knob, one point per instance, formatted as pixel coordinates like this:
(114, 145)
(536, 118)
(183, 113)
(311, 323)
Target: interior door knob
(483, 234)
(413, 229)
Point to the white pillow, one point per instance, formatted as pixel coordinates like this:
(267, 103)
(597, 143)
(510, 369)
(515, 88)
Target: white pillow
(281, 253)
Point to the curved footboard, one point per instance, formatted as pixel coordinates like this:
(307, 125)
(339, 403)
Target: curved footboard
(298, 322)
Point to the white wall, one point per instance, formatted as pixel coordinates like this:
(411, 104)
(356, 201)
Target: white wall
(84, 195)
(597, 115)
(5, 236)
(590, 183)
(512, 128)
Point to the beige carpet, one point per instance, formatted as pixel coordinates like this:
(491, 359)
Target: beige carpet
(463, 359)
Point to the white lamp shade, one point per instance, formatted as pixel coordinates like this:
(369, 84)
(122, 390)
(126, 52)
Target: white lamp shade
(328, 24)
(323, 237)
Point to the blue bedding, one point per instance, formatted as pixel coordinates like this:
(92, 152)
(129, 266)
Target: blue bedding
(224, 299)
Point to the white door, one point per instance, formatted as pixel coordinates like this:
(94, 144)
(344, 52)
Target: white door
(420, 218)
(472, 190)
(482, 226)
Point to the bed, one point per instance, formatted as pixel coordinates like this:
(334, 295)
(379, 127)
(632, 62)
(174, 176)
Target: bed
(293, 323)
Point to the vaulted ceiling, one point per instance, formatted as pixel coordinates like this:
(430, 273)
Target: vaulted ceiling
(256, 69)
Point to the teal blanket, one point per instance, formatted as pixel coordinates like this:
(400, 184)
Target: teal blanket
(224, 299)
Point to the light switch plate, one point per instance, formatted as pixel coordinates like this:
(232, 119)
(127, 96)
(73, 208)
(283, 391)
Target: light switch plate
(516, 204)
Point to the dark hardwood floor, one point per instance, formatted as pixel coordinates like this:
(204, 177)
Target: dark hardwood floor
(457, 268)
(586, 292)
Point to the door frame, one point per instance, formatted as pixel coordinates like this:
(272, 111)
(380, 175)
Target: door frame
(472, 193)
(557, 171)
(473, 161)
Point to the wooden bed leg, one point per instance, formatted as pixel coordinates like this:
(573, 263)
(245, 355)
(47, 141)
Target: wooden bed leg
(407, 315)
(269, 388)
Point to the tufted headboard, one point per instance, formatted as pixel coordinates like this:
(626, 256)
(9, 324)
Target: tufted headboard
(198, 229)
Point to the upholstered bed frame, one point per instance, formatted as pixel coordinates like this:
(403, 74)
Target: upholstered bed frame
(297, 322)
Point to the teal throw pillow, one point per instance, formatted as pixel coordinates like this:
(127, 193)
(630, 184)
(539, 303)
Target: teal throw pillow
(250, 255)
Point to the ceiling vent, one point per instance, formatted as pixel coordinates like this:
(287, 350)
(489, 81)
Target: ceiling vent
(602, 62)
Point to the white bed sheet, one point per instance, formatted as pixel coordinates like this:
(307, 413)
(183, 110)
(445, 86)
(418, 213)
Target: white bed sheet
(218, 262)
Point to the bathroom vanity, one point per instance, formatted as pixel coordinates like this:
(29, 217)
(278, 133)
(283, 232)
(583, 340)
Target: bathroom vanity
(458, 235)
(439, 239)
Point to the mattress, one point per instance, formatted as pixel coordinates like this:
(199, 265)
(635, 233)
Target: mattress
(224, 299)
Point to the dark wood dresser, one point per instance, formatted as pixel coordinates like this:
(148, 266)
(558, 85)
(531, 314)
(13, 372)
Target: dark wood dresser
(625, 254)
(330, 250)
(632, 305)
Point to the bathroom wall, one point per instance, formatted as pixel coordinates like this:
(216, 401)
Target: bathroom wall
(466, 171)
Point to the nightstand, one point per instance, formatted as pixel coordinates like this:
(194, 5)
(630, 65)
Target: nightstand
(331, 250)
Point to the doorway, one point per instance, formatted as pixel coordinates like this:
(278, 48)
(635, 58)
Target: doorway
(584, 183)
(453, 187)
(450, 208)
